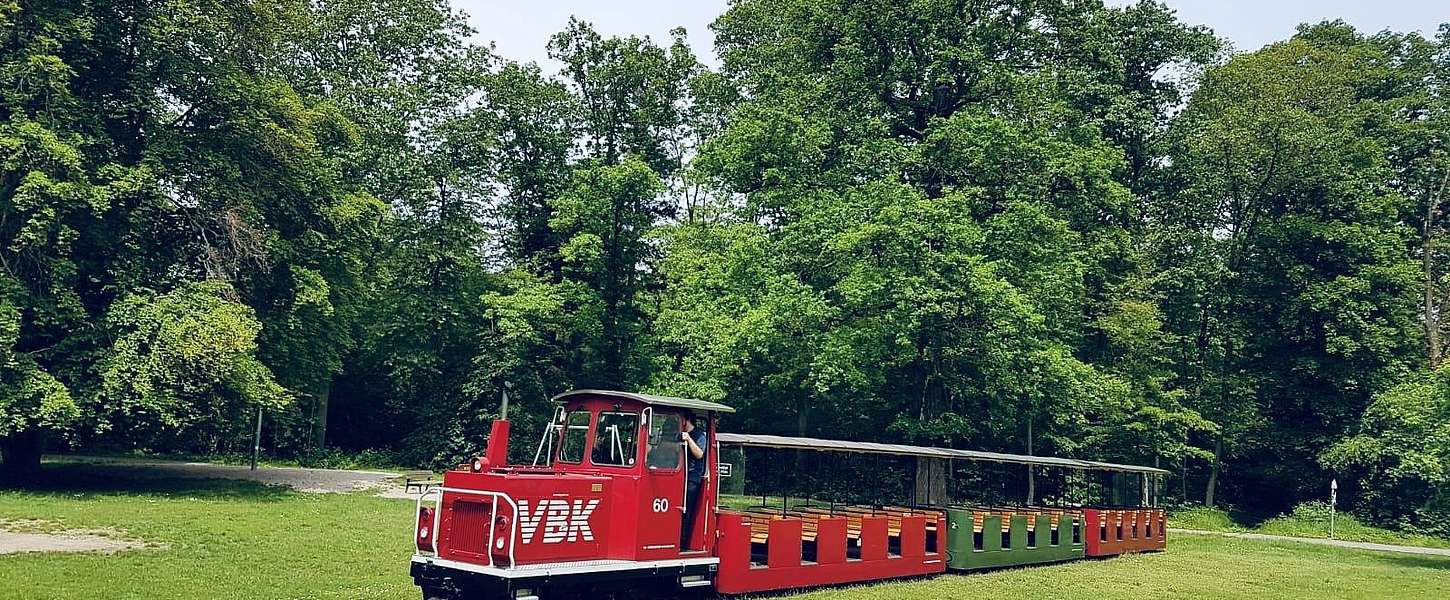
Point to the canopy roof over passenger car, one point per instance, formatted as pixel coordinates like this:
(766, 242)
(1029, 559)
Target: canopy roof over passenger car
(821, 445)
(699, 406)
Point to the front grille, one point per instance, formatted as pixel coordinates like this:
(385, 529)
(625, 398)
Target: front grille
(470, 526)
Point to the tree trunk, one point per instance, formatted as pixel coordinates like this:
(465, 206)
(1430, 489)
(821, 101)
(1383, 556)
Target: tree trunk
(931, 481)
(1183, 481)
(931, 473)
(1213, 472)
(321, 413)
(802, 426)
(1432, 320)
(1432, 300)
(1031, 479)
(21, 455)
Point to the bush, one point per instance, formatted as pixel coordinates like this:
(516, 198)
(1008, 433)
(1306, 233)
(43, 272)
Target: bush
(1202, 518)
(1311, 519)
(332, 458)
(1307, 520)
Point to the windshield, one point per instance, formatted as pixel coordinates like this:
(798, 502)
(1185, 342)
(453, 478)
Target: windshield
(615, 439)
(576, 432)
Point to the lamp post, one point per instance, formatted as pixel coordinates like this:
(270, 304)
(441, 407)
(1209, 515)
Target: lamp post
(1333, 500)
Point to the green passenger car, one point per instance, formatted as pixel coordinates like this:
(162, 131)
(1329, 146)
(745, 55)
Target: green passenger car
(976, 539)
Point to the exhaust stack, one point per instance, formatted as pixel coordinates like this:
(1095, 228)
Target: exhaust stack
(496, 454)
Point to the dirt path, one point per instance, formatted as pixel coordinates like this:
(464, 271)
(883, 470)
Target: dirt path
(305, 480)
(28, 535)
(66, 541)
(1322, 542)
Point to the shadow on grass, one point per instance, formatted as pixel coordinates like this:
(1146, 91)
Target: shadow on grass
(1249, 519)
(1410, 561)
(72, 479)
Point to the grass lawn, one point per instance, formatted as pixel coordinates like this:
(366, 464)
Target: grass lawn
(223, 539)
(1194, 567)
(239, 541)
(1311, 521)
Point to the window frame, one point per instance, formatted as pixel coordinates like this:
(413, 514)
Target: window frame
(678, 445)
(565, 428)
(631, 455)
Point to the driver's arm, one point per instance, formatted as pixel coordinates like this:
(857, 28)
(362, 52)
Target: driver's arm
(695, 450)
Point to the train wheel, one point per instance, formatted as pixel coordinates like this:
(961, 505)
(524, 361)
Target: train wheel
(439, 593)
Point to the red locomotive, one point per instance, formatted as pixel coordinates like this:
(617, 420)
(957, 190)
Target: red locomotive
(605, 507)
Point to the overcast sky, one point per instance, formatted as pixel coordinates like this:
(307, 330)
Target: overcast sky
(521, 28)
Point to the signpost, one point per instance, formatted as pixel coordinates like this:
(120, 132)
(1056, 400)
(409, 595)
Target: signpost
(1333, 500)
(257, 439)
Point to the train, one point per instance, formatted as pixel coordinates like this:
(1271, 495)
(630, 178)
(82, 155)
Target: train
(608, 508)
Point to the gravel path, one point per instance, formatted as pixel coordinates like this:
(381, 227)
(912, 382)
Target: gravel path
(28, 535)
(1322, 542)
(305, 480)
(66, 541)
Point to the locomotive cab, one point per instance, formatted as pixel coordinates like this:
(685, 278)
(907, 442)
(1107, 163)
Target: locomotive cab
(606, 499)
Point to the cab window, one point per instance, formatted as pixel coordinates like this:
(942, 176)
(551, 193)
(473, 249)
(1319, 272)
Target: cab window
(664, 441)
(576, 432)
(616, 439)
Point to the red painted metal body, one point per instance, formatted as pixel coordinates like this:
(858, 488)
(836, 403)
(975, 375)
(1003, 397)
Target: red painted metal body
(1113, 531)
(784, 567)
(545, 522)
(576, 511)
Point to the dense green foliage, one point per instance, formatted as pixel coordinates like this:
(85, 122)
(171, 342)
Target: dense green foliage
(1046, 225)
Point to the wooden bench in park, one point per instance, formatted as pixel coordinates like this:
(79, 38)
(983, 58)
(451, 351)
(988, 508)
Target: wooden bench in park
(423, 480)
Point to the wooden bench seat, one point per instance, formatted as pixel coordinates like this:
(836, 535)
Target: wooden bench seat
(1055, 516)
(759, 519)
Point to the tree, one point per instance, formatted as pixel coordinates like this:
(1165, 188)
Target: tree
(32, 401)
(1415, 134)
(183, 365)
(939, 176)
(131, 137)
(1305, 310)
(1401, 455)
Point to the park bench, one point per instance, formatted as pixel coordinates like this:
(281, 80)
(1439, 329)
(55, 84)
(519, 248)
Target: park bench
(421, 480)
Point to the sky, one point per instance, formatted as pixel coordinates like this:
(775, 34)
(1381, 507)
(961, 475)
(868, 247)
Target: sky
(521, 28)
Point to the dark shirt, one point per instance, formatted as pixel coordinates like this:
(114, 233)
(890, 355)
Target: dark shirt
(696, 472)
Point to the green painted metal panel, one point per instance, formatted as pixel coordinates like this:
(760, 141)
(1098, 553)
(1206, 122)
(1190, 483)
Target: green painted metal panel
(964, 552)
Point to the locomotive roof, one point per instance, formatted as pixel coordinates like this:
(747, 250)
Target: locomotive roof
(688, 403)
(802, 443)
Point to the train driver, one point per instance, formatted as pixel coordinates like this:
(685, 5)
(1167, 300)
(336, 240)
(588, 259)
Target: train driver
(694, 438)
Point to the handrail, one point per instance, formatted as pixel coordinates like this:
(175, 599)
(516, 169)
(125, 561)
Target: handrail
(559, 418)
(437, 511)
(493, 544)
(493, 517)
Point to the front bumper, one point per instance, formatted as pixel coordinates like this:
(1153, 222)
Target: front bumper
(488, 581)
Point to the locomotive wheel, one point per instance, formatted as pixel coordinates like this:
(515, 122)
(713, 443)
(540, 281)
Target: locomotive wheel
(438, 593)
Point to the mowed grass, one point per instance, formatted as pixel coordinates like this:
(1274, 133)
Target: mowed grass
(1194, 567)
(237, 541)
(222, 539)
(1308, 521)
